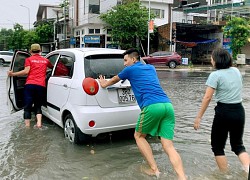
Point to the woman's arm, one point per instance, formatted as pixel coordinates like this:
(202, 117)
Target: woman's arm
(205, 102)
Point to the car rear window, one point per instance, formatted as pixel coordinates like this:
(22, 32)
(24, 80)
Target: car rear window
(107, 65)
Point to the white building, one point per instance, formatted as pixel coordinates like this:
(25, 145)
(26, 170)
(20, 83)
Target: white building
(87, 26)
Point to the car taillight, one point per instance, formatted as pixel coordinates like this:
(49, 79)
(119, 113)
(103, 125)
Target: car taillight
(91, 123)
(90, 86)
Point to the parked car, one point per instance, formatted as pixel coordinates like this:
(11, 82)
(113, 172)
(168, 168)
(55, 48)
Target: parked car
(75, 101)
(6, 56)
(171, 59)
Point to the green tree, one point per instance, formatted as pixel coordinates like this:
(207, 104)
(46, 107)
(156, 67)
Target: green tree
(239, 30)
(5, 36)
(44, 32)
(17, 39)
(128, 22)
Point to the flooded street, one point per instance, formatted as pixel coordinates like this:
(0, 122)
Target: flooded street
(45, 154)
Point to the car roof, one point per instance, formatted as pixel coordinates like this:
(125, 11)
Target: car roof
(89, 51)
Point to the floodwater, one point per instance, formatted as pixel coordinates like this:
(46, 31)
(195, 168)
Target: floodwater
(44, 154)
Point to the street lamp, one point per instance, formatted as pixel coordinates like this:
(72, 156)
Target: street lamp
(28, 12)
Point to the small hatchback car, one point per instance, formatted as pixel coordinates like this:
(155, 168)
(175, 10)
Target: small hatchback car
(170, 59)
(75, 101)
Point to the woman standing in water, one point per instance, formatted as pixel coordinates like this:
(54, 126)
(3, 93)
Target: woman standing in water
(229, 118)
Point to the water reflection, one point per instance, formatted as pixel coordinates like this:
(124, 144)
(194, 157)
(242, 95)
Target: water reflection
(34, 154)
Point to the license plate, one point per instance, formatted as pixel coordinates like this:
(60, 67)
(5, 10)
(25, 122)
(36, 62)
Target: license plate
(126, 95)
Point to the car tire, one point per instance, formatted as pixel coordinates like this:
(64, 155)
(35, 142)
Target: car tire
(172, 64)
(72, 132)
(1, 61)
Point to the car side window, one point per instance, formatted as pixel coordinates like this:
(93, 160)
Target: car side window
(64, 67)
(53, 59)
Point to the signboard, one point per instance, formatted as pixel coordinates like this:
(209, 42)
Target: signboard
(184, 61)
(227, 41)
(72, 40)
(151, 26)
(92, 39)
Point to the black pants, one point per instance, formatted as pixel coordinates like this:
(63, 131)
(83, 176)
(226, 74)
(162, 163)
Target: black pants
(228, 119)
(33, 95)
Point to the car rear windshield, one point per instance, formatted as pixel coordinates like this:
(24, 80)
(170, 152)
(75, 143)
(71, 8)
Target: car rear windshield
(107, 65)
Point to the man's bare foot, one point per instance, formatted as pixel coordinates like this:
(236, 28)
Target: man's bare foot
(150, 172)
(27, 123)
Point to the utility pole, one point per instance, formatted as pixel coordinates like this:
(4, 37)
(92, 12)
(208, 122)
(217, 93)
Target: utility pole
(148, 27)
(64, 25)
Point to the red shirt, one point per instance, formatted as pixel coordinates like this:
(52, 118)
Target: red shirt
(38, 67)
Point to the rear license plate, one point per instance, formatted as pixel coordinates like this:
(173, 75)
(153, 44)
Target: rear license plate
(126, 95)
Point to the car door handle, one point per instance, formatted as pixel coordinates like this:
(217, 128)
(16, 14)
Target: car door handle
(65, 85)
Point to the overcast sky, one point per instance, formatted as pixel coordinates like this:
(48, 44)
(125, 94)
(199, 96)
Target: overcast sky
(12, 12)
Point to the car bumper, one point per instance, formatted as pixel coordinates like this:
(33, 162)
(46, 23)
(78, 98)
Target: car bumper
(106, 119)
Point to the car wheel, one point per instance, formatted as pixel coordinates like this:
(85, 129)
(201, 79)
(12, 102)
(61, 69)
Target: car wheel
(1, 61)
(71, 131)
(172, 64)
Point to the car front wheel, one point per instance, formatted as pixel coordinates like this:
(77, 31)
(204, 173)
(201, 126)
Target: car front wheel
(172, 64)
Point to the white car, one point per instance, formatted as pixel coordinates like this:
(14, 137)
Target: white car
(75, 101)
(6, 56)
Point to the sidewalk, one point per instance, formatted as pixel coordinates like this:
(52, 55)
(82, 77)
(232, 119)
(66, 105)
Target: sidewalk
(185, 67)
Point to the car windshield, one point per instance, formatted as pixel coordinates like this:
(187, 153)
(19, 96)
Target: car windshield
(107, 65)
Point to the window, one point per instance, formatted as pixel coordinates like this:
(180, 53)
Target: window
(97, 31)
(53, 59)
(109, 31)
(91, 31)
(94, 6)
(108, 65)
(109, 38)
(158, 13)
(83, 32)
(94, 31)
(6, 53)
(64, 67)
(77, 33)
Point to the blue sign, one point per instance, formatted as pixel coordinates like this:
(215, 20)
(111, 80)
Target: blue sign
(91, 39)
(72, 40)
(227, 42)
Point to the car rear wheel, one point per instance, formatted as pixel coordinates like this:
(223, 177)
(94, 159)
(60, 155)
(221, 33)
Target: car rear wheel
(172, 64)
(72, 132)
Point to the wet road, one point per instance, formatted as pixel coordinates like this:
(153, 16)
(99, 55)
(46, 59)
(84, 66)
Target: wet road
(45, 154)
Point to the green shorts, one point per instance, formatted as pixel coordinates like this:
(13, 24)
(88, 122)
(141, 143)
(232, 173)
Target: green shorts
(157, 120)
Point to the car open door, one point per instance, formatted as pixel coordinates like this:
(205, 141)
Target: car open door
(15, 85)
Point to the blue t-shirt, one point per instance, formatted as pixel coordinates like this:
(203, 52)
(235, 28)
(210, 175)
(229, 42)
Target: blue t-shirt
(227, 84)
(145, 84)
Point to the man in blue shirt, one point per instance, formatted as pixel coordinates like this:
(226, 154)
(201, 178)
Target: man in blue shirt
(157, 113)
